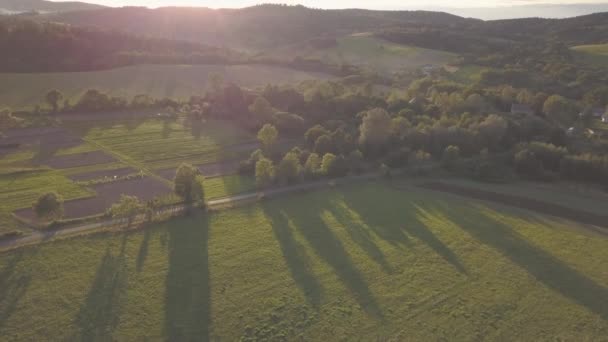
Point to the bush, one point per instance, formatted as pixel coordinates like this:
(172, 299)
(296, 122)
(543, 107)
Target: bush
(528, 165)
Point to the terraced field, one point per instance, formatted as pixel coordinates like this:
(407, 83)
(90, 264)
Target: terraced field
(363, 262)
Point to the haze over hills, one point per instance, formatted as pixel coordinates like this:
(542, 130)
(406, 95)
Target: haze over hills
(18, 6)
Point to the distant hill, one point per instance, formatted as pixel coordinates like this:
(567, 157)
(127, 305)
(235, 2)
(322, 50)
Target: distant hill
(529, 11)
(18, 6)
(269, 26)
(254, 27)
(30, 46)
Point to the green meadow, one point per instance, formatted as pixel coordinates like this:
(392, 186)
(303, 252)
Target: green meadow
(362, 262)
(365, 50)
(20, 91)
(594, 54)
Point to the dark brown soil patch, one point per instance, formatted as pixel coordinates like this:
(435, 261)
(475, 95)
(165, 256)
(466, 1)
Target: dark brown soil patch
(89, 176)
(80, 159)
(107, 194)
(522, 202)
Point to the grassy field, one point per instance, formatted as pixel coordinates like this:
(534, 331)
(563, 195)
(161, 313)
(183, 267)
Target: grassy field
(366, 50)
(572, 195)
(20, 91)
(364, 262)
(225, 186)
(594, 54)
(467, 74)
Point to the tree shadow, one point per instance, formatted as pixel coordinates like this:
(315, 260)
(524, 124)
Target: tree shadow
(100, 313)
(295, 256)
(359, 233)
(325, 243)
(421, 231)
(13, 286)
(188, 295)
(379, 216)
(547, 269)
(143, 250)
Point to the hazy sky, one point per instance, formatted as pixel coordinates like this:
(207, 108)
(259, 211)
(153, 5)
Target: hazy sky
(375, 4)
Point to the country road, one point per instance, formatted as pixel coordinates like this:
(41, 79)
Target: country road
(42, 236)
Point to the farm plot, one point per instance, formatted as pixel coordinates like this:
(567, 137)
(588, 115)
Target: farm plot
(102, 174)
(363, 262)
(20, 189)
(79, 159)
(160, 144)
(107, 194)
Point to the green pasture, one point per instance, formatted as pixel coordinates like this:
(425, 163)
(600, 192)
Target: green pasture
(364, 262)
(375, 53)
(22, 91)
(594, 54)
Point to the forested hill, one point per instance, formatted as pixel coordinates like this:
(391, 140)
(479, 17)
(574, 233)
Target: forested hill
(271, 25)
(45, 6)
(258, 26)
(30, 46)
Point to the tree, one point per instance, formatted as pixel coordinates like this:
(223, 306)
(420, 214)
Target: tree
(268, 136)
(187, 183)
(264, 172)
(312, 167)
(493, 130)
(49, 206)
(289, 168)
(327, 163)
(324, 144)
(7, 120)
(126, 208)
(53, 98)
(560, 110)
(527, 164)
(314, 133)
(450, 157)
(262, 110)
(376, 128)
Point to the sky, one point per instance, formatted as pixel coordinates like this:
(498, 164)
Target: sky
(371, 4)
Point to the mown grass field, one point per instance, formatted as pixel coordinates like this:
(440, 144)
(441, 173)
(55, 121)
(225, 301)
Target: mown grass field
(363, 262)
(594, 54)
(22, 91)
(582, 197)
(366, 50)
(229, 185)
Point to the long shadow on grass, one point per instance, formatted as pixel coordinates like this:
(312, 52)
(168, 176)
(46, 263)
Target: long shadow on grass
(397, 221)
(359, 233)
(100, 313)
(13, 286)
(421, 231)
(295, 255)
(379, 215)
(143, 250)
(308, 221)
(187, 297)
(549, 270)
